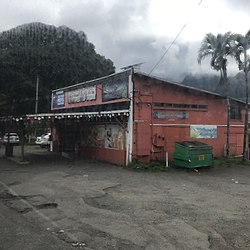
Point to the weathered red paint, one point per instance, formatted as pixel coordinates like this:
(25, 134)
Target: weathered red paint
(154, 137)
(106, 155)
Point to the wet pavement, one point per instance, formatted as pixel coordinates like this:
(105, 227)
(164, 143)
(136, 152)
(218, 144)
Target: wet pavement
(92, 205)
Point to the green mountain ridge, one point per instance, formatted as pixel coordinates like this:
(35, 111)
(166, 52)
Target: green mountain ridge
(210, 82)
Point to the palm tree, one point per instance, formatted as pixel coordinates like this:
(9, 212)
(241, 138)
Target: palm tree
(218, 48)
(241, 46)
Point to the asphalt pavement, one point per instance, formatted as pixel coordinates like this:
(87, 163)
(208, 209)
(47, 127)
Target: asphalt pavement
(49, 202)
(18, 233)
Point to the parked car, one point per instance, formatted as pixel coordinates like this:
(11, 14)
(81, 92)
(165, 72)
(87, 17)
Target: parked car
(43, 140)
(11, 138)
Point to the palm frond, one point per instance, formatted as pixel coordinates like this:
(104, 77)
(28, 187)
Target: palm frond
(218, 48)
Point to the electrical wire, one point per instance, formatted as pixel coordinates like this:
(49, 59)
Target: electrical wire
(160, 60)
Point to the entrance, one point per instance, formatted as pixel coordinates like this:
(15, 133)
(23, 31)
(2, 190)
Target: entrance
(69, 135)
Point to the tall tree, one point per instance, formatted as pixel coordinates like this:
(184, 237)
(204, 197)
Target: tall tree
(59, 55)
(219, 48)
(241, 47)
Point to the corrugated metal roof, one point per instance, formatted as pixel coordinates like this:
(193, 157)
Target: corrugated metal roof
(105, 78)
(186, 86)
(94, 81)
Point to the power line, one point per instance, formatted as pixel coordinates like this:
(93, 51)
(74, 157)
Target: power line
(159, 61)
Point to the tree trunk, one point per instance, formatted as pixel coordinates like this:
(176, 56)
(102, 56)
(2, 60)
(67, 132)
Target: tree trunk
(228, 126)
(245, 141)
(22, 140)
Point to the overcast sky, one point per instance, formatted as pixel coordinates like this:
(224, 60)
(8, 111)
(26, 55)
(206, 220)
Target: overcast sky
(130, 32)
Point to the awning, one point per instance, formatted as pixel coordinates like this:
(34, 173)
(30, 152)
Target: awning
(77, 115)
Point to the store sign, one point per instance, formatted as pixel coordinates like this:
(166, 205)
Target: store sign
(115, 89)
(203, 131)
(169, 115)
(58, 99)
(82, 95)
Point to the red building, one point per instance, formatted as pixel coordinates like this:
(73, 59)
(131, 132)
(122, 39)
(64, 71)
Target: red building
(127, 116)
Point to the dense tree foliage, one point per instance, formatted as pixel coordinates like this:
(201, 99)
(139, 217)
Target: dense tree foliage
(218, 48)
(59, 56)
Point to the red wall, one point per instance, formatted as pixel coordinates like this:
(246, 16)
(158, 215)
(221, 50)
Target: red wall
(107, 155)
(154, 137)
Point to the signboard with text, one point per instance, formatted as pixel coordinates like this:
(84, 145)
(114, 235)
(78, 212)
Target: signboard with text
(82, 95)
(170, 115)
(203, 131)
(58, 99)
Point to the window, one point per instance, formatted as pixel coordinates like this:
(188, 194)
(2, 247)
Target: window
(235, 113)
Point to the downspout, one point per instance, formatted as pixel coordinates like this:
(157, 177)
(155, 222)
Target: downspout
(129, 147)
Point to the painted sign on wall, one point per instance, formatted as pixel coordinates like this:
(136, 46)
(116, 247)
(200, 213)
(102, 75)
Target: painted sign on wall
(203, 131)
(82, 95)
(170, 115)
(104, 136)
(58, 99)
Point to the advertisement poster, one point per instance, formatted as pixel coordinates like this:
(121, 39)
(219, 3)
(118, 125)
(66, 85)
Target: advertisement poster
(58, 99)
(104, 136)
(203, 131)
(82, 95)
(170, 115)
(116, 89)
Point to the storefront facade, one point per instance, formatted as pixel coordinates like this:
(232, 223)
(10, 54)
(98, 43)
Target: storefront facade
(168, 112)
(128, 116)
(93, 118)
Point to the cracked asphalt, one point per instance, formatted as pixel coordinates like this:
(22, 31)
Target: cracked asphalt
(91, 205)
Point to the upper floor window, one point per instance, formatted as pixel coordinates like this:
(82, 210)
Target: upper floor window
(235, 113)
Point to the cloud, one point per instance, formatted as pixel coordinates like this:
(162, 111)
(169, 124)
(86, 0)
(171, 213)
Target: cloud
(17, 12)
(130, 32)
(243, 5)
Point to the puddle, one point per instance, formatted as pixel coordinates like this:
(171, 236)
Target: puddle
(47, 205)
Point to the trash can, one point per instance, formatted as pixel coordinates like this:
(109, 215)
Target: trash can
(8, 150)
(193, 154)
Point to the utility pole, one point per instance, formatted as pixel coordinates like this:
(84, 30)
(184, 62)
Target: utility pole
(37, 87)
(36, 102)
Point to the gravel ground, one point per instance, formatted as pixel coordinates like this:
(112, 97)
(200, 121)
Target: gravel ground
(92, 205)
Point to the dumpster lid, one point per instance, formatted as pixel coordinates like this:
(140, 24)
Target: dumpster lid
(194, 144)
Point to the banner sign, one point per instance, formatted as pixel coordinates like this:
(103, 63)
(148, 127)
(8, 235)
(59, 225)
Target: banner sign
(203, 131)
(170, 115)
(58, 99)
(82, 95)
(115, 89)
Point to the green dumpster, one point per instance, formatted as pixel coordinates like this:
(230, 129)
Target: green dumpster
(193, 154)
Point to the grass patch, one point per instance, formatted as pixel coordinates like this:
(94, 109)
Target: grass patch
(218, 162)
(151, 166)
